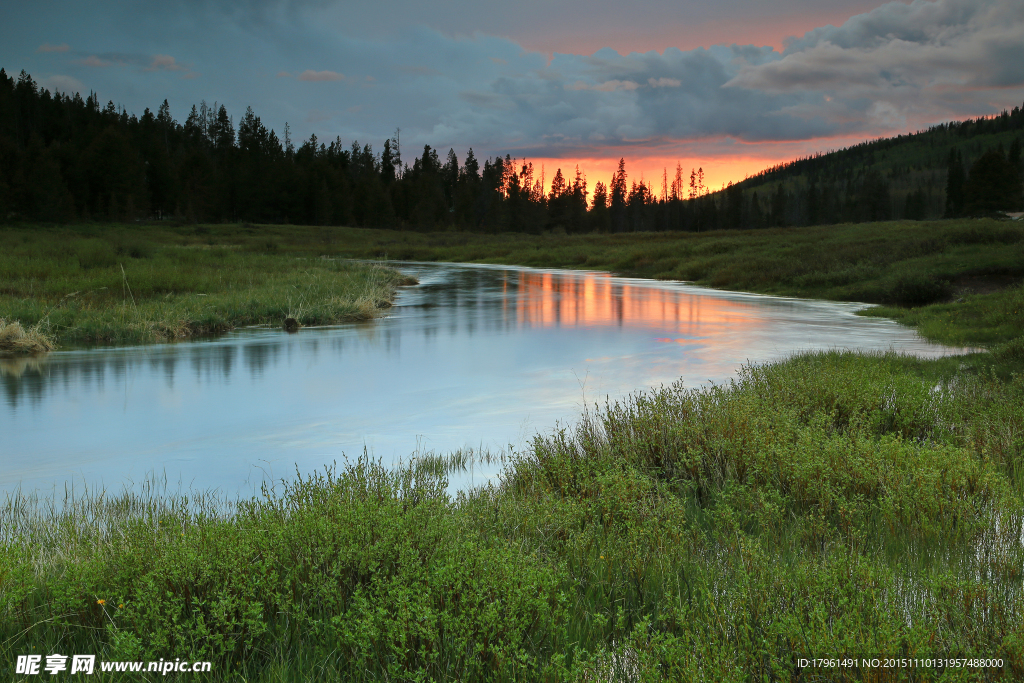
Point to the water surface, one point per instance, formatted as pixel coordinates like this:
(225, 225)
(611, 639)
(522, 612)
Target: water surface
(474, 356)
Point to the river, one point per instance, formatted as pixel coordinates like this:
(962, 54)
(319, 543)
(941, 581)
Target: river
(480, 357)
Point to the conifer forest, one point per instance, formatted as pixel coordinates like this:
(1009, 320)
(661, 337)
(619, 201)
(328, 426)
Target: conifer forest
(68, 159)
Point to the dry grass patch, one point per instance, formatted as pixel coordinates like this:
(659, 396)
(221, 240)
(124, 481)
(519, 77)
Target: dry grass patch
(15, 340)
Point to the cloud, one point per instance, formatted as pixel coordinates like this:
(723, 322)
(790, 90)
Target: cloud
(165, 63)
(608, 86)
(93, 61)
(64, 84)
(894, 66)
(664, 82)
(315, 116)
(46, 47)
(420, 70)
(576, 103)
(913, 59)
(320, 76)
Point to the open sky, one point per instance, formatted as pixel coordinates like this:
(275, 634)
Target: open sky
(730, 85)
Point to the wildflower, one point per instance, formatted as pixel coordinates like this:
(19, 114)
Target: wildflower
(101, 602)
(121, 606)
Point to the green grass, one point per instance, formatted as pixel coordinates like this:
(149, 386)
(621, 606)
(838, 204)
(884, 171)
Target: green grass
(118, 285)
(829, 505)
(994, 320)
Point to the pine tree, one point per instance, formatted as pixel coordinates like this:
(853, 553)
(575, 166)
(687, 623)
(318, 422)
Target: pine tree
(954, 184)
(756, 217)
(450, 178)
(557, 186)
(223, 131)
(992, 185)
(387, 164)
(618, 187)
(471, 169)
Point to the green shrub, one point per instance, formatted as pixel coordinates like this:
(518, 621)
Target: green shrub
(918, 289)
(94, 254)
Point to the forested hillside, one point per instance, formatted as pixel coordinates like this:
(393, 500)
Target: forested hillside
(64, 158)
(918, 176)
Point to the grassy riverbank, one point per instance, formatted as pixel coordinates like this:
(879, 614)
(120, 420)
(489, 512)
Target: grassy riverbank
(129, 285)
(833, 505)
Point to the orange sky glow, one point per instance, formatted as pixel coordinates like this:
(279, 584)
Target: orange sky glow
(723, 161)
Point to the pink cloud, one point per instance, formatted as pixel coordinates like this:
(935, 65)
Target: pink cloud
(46, 47)
(93, 60)
(320, 76)
(65, 84)
(608, 86)
(165, 63)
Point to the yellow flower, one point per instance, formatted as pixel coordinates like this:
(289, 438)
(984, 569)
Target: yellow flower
(101, 602)
(120, 606)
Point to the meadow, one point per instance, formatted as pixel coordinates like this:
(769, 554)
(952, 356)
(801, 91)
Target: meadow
(832, 505)
(122, 285)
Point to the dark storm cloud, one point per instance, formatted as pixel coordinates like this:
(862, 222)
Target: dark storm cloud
(327, 69)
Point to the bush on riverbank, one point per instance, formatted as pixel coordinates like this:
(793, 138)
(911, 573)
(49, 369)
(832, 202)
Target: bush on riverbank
(830, 505)
(15, 340)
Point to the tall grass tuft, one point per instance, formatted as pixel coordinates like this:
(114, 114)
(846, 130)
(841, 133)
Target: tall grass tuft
(15, 340)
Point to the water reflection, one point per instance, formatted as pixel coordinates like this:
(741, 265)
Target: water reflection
(472, 357)
(596, 299)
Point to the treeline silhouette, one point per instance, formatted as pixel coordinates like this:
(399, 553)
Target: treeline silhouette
(64, 158)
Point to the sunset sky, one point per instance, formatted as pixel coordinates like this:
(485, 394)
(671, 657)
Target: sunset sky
(732, 85)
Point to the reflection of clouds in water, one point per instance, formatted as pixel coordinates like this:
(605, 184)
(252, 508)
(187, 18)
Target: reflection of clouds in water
(466, 358)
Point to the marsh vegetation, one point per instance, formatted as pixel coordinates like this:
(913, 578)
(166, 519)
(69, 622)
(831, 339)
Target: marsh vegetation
(122, 285)
(830, 505)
